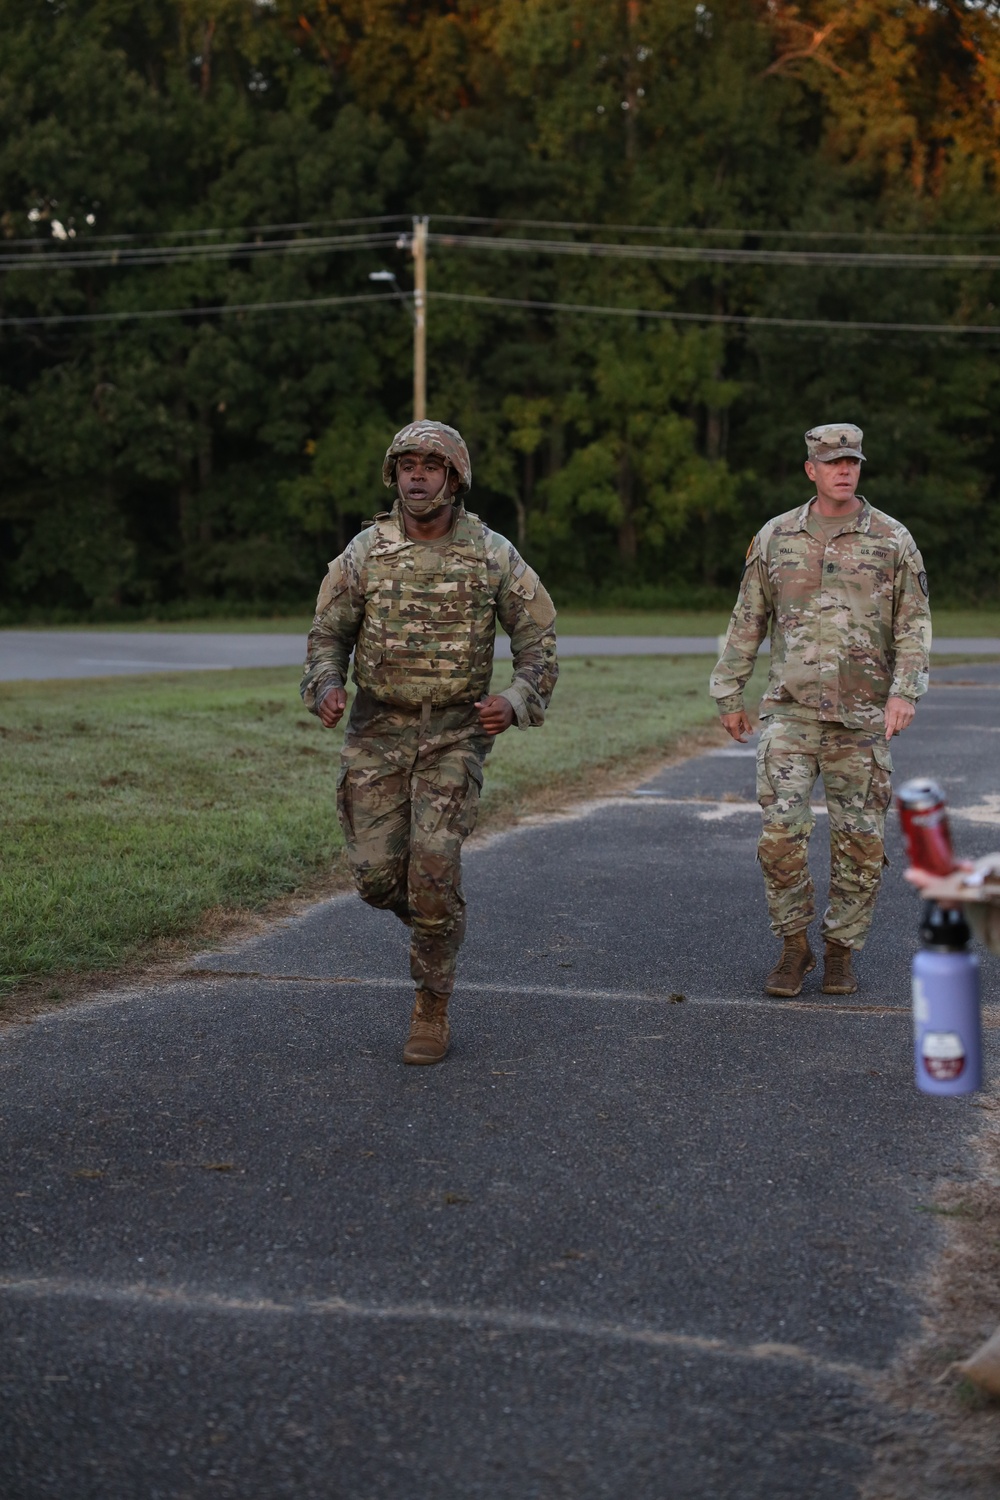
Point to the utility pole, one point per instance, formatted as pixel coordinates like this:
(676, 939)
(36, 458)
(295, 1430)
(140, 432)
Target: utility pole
(419, 247)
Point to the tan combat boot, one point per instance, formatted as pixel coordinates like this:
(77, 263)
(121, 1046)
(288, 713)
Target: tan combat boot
(838, 976)
(796, 961)
(428, 1039)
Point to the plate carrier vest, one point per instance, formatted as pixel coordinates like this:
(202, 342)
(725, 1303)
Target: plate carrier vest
(430, 617)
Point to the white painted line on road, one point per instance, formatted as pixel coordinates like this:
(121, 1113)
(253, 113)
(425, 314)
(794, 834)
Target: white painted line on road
(563, 992)
(712, 811)
(722, 810)
(494, 1319)
(986, 811)
(558, 991)
(663, 800)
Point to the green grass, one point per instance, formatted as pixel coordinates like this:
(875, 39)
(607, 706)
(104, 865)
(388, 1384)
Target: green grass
(947, 622)
(705, 622)
(133, 808)
(959, 622)
(710, 623)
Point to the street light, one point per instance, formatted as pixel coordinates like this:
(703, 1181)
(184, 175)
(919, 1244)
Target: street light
(390, 278)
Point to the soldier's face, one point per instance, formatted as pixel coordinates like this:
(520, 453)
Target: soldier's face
(421, 479)
(837, 480)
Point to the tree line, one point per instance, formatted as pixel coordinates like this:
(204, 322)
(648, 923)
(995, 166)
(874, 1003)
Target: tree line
(198, 377)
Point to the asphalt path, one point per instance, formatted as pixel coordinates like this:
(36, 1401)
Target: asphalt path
(40, 655)
(621, 1243)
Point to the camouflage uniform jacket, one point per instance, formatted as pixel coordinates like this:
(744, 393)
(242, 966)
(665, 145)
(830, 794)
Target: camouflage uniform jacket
(848, 616)
(352, 603)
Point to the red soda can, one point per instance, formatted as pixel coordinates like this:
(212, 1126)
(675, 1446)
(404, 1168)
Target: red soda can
(924, 818)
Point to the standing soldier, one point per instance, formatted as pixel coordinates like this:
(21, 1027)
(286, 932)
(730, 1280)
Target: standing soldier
(416, 597)
(842, 588)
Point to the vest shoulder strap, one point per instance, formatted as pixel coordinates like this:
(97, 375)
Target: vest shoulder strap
(471, 531)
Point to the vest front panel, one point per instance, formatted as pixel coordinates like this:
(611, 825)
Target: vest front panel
(430, 619)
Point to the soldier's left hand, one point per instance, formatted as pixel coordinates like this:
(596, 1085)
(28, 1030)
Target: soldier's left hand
(331, 707)
(898, 714)
(495, 713)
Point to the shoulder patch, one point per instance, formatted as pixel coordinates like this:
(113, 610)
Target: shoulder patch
(533, 594)
(524, 581)
(333, 585)
(754, 551)
(541, 608)
(915, 563)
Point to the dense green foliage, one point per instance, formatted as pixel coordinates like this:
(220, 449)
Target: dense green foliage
(186, 461)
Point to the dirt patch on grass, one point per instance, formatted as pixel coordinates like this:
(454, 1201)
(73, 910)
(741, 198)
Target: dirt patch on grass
(943, 1440)
(160, 961)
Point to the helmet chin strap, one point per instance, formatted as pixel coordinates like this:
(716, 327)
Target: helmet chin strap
(430, 503)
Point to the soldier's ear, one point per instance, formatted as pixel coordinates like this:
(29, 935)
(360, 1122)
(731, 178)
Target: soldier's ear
(453, 482)
(810, 469)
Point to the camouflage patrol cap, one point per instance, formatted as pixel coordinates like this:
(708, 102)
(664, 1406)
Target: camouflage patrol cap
(834, 440)
(430, 437)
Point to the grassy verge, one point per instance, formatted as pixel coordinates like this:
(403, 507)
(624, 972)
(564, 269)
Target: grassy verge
(571, 622)
(705, 622)
(947, 622)
(959, 622)
(960, 659)
(138, 811)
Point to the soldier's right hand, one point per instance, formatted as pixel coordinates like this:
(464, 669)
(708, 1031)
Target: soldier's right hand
(331, 707)
(738, 724)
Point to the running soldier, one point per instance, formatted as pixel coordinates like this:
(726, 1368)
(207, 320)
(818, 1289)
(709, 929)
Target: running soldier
(842, 589)
(416, 597)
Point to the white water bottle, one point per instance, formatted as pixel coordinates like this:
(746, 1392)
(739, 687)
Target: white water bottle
(947, 1025)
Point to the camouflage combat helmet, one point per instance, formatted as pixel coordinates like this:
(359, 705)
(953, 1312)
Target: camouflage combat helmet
(430, 437)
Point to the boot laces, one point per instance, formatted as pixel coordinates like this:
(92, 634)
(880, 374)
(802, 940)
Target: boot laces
(427, 1026)
(838, 962)
(791, 963)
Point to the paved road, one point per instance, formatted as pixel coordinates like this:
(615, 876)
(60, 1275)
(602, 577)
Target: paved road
(619, 1244)
(42, 654)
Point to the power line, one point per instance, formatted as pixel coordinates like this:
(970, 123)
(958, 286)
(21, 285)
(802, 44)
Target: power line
(529, 304)
(846, 325)
(701, 253)
(61, 259)
(500, 222)
(751, 230)
(165, 234)
(64, 260)
(202, 312)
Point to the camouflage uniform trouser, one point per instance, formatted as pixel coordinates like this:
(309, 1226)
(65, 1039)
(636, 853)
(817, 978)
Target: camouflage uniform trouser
(407, 798)
(855, 765)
